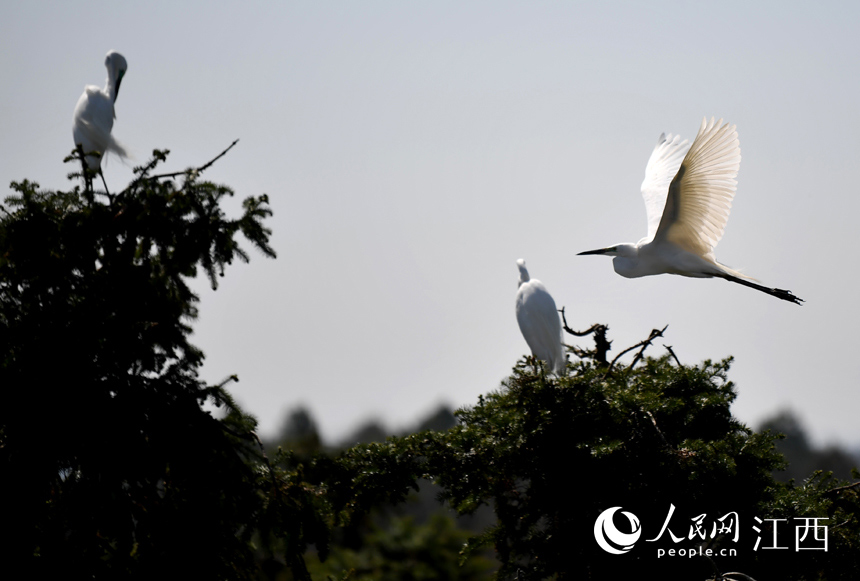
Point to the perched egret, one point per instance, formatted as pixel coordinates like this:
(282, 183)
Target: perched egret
(94, 115)
(688, 191)
(539, 321)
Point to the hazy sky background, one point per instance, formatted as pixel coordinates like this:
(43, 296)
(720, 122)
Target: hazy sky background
(412, 151)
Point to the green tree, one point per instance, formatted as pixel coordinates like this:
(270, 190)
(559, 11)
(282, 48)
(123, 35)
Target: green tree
(402, 549)
(801, 456)
(551, 454)
(111, 467)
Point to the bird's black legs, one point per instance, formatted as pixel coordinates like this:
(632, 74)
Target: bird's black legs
(775, 292)
(88, 182)
(103, 181)
(88, 173)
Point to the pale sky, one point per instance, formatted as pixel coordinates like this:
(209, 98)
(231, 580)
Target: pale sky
(412, 151)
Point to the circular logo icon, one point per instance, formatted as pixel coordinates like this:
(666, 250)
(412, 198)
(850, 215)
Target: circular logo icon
(610, 538)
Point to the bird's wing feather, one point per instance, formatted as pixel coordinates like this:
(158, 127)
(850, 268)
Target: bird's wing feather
(662, 167)
(700, 195)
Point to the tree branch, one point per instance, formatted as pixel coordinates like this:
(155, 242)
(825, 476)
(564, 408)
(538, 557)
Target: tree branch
(601, 344)
(643, 344)
(672, 353)
(656, 427)
(196, 171)
(841, 488)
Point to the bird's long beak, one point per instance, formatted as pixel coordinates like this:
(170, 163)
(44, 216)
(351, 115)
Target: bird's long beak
(598, 251)
(118, 82)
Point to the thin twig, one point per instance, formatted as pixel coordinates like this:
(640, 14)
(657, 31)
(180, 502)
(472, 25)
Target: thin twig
(654, 334)
(672, 353)
(142, 175)
(845, 522)
(217, 157)
(654, 421)
(198, 170)
(725, 576)
(841, 488)
(643, 344)
(581, 353)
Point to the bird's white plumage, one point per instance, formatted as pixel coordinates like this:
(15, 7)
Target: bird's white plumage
(95, 113)
(662, 167)
(700, 195)
(539, 321)
(688, 193)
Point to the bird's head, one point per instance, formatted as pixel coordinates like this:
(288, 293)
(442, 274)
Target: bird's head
(116, 66)
(626, 261)
(623, 250)
(524, 273)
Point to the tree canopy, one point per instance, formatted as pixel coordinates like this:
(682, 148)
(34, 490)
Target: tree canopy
(115, 467)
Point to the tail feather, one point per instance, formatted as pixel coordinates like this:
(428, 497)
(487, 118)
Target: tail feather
(101, 141)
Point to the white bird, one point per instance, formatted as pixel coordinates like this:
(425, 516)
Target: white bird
(94, 115)
(688, 191)
(539, 321)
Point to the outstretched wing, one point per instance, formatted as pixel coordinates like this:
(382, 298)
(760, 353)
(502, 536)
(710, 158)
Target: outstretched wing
(700, 195)
(662, 167)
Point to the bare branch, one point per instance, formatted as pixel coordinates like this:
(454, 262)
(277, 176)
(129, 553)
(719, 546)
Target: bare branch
(601, 344)
(643, 344)
(197, 171)
(217, 157)
(672, 353)
(734, 576)
(654, 334)
(843, 523)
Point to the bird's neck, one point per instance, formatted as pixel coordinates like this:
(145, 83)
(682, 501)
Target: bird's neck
(110, 85)
(626, 261)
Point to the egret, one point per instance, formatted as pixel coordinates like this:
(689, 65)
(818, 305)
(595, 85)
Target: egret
(688, 191)
(94, 115)
(539, 321)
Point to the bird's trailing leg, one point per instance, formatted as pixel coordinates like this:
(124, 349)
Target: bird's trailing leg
(774, 292)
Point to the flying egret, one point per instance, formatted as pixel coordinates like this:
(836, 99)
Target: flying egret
(539, 321)
(94, 115)
(688, 191)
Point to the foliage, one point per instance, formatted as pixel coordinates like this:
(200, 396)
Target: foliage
(401, 549)
(550, 455)
(117, 468)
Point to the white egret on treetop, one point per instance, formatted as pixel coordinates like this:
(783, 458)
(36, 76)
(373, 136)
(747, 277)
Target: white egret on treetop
(688, 191)
(539, 321)
(94, 115)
